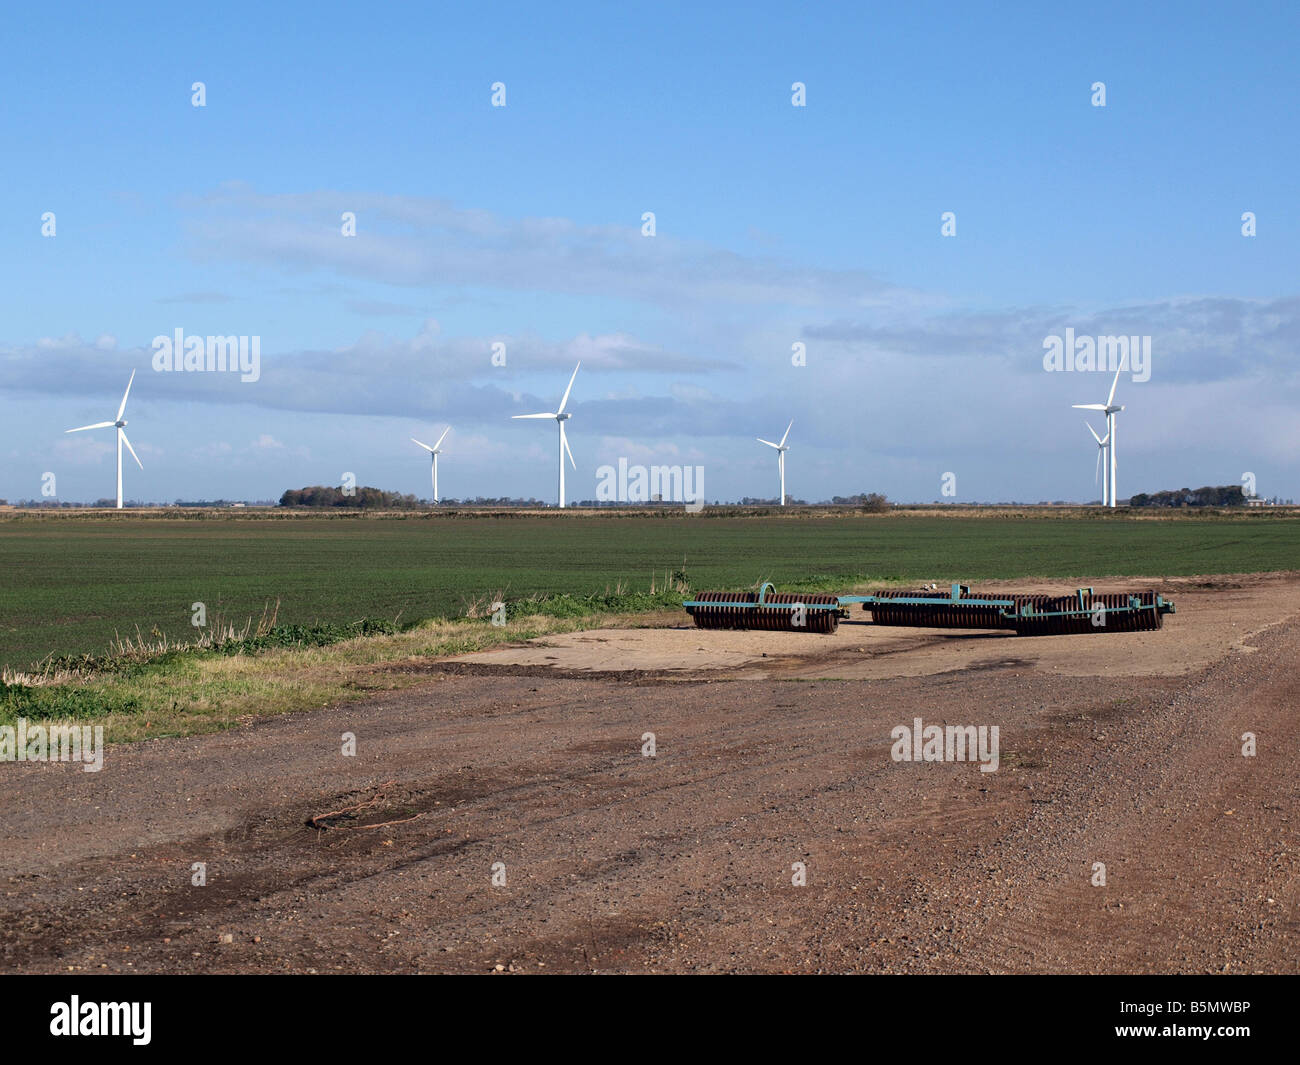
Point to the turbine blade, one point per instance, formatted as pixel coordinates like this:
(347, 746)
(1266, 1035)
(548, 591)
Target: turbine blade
(422, 444)
(1088, 406)
(97, 425)
(1094, 433)
(1097, 472)
(122, 409)
(442, 438)
(131, 449)
(565, 441)
(787, 431)
(569, 389)
(1111, 398)
(532, 416)
(768, 443)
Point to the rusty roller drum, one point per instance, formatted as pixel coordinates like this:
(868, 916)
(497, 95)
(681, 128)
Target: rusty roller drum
(775, 613)
(1047, 618)
(971, 611)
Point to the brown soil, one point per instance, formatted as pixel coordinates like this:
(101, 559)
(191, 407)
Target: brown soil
(1123, 749)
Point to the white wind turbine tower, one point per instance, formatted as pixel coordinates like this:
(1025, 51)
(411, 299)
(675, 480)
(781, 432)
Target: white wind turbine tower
(781, 449)
(119, 424)
(560, 418)
(1102, 444)
(1110, 410)
(434, 452)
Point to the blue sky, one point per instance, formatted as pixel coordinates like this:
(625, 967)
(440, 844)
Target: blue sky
(775, 225)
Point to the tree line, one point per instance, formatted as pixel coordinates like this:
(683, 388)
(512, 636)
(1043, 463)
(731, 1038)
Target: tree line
(361, 498)
(1224, 495)
(367, 498)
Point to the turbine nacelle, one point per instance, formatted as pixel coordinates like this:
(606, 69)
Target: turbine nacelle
(437, 448)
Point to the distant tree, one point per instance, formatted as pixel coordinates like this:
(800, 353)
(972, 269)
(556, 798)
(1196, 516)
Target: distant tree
(874, 502)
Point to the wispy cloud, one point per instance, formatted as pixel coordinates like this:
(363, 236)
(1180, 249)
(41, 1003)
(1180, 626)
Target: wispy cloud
(377, 374)
(413, 241)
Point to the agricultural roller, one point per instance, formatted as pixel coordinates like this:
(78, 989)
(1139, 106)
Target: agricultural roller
(958, 608)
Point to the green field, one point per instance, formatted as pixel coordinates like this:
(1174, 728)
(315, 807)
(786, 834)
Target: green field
(67, 585)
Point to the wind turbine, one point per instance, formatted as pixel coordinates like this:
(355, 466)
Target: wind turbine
(1102, 443)
(781, 449)
(119, 424)
(1110, 410)
(560, 418)
(434, 452)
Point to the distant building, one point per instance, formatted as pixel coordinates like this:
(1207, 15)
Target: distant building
(1257, 501)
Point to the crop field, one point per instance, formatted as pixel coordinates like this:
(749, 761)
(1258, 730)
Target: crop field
(69, 585)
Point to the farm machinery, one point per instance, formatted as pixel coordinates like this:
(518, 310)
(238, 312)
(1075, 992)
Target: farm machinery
(958, 608)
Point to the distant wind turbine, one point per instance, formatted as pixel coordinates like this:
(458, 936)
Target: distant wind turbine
(1103, 443)
(1110, 410)
(119, 424)
(434, 452)
(560, 418)
(781, 449)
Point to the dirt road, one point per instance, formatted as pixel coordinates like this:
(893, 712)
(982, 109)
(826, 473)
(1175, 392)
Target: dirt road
(1123, 750)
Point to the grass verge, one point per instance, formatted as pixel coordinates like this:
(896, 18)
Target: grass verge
(207, 691)
(146, 688)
